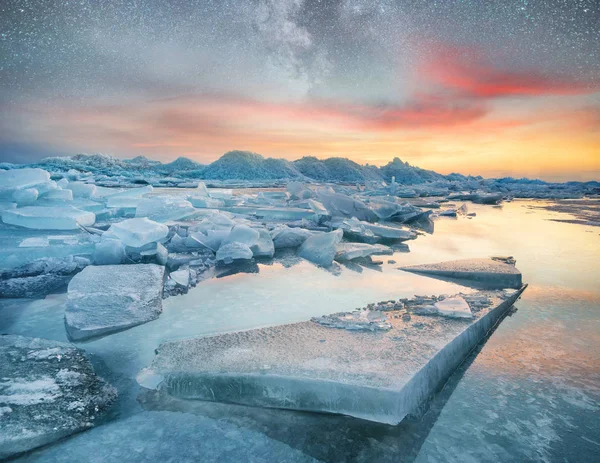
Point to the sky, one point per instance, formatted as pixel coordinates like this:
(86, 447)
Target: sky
(484, 87)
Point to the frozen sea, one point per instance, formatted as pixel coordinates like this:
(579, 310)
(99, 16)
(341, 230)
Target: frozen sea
(530, 393)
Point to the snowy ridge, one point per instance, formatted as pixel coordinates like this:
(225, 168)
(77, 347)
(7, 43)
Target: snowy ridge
(247, 167)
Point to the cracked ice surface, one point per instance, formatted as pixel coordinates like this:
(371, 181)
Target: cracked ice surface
(48, 390)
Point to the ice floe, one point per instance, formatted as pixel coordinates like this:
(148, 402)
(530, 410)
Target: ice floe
(48, 390)
(489, 273)
(48, 218)
(375, 364)
(164, 208)
(106, 299)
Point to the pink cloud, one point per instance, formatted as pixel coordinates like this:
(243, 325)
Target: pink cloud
(467, 72)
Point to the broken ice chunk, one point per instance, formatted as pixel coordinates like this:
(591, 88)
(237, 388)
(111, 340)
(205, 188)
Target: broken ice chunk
(286, 237)
(241, 233)
(82, 190)
(350, 251)
(58, 195)
(35, 242)
(340, 205)
(279, 213)
(230, 252)
(448, 213)
(212, 239)
(487, 273)
(321, 249)
(25, 197)
(206, 202)
(181, 277)
(389, 209)
(162, 255)
(40, 382)
(110, 298)
(109, 252)
(298, 190)
(264, 247)
(359, 320)
(370, 232)
(139, 232)
(48, 218)
(454, 307)
(19, 179)
(40, 277)
(128, 198)
(317, 208)
(201, 190)
(164, 208)
(215, 221)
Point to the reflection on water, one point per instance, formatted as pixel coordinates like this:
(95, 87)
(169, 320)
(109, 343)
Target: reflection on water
(531, 394)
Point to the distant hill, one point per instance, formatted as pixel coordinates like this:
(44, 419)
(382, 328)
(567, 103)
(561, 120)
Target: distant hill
(406, 174)
(141, 162)
(246, 165)
(180, 164)
(86, 162)
(336, 169)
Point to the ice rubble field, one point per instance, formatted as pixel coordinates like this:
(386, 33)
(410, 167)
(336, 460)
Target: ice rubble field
(122, 250)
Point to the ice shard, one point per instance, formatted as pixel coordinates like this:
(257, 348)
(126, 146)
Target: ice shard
(320, 249)
(351, 251)
(286, 237)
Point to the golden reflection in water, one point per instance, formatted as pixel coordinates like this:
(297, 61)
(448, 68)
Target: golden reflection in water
(555, 333)
(547, 252)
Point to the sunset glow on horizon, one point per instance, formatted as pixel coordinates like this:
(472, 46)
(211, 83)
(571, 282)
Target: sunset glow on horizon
(368, 80)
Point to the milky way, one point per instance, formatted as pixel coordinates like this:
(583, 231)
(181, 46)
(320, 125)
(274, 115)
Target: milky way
(151, 77)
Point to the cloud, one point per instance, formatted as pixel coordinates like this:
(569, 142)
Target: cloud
(222, 113)
(466, 72)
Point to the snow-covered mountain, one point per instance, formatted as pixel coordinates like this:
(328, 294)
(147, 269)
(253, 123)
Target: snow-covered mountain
(245, 165)
(336, 169)
(254, 168)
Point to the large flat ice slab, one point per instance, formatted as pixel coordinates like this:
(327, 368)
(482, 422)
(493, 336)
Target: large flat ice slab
(48, 390)
(108, 298)
(381, 372)
(171, 437)
(488, 273)
(138, 232)
(48, 218)
(18, 179)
